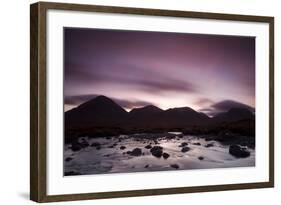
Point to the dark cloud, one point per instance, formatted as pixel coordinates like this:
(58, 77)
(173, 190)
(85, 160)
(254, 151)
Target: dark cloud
(224, 106)
(203, 102)
(228, 104)
(126, 104)
(142, 78)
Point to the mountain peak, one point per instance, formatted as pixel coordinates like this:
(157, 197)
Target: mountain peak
(181, 109)
(99, 110)
(148, 108)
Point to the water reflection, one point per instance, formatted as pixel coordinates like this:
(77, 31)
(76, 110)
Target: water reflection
(113, 155)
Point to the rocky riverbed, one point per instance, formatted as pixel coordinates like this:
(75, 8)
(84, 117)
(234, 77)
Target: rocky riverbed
(153, 152)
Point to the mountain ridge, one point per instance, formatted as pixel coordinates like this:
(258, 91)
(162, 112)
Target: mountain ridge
(103, 111)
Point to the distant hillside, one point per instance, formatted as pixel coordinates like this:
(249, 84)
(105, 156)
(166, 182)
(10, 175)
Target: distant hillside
(102, 115)
(234, 114)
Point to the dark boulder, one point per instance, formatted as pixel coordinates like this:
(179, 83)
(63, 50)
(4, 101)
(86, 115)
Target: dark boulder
(238, 151)
(95, 144)
(185, 149)
(122, 147)
(136, 152)
(183, 144)
(148, 146)
(166, 155)
(75, 146)
(157, 151)
(68, 159)
(200, 158)
(175, 166)
(197, 143)
(209, 145)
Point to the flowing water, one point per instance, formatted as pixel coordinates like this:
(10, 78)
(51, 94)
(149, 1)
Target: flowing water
(107, 157)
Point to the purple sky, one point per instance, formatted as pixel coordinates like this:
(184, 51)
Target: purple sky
(168, 70)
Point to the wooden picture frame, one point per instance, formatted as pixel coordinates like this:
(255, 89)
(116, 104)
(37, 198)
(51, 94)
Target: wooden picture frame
(38, 100)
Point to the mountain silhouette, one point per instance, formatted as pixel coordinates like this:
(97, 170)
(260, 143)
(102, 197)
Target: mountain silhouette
(234, 114)
(101, 111)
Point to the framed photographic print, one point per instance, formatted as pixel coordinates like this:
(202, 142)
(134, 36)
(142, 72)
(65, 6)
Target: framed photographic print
(134, 102)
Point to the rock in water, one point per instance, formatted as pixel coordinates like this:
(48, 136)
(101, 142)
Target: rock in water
(75, 146)
(238, 151)
(136, 152)
(157, 151)
(175, 166)
(200, 158)
(185, 149)
(209, 145)
(183, 144)
(122, 147)
(95, 144)
(148, 146)
(68, 159)
(166, 155)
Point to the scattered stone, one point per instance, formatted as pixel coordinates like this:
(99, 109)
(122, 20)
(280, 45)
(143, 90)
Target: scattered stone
(209, 145)
(136, 152)
(146, 166)
(183, 144)
(129, 152)
(197, 143)
(166, 155)
(75, 146)
(156, 151)
(95, 144)
(148, 146)
(122, 147)
(185, 149)
(68, 159)
(238, 151)
(200, 158)
(175, 166)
